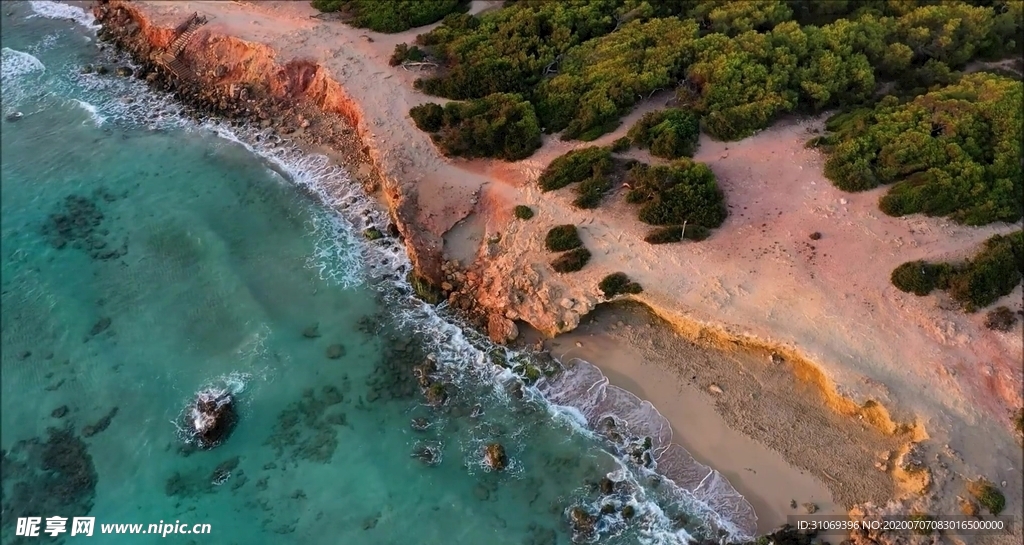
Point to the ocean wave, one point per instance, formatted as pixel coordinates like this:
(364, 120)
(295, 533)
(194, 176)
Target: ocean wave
(582, 396)
(15, 64)
(93, 112)
(57, 10)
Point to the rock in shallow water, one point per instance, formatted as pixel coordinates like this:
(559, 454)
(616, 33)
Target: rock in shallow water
(211, 417)
(495, 457)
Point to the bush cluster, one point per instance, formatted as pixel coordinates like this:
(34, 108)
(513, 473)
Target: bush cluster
(571, 261)
(590, 167)
(754, 60)
(523, 212)
(956, 151)
(500, 125)
(562, 237)
(618, 283)
(405, 53)
(676, 233)
(670, 133)
(684, 192)
(991, 273)
(391, 15)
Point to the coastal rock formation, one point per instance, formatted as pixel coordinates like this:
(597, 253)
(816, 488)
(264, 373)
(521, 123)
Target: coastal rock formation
(495, 457)
(501, 330)
(211, 417)
(219, 75)
(582, 523)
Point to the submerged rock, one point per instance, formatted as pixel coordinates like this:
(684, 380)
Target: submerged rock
(14, 116)
(100, 425)
(495, 457)
(335, 351)
(211, 417)
(311, 332)
(582, 522)
(429, 455)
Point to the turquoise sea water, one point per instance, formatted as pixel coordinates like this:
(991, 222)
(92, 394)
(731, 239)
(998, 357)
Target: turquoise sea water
(146, 257)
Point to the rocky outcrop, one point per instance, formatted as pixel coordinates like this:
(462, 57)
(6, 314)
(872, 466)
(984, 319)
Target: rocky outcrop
(240, 80)
(495, 457)
(501, 291)
(211, 417)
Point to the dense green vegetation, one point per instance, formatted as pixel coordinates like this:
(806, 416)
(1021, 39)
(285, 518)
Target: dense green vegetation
(523, 212)
(562, 237)
(670, 133)
(990, 274)
(738, 65)
(571, 261)
(671, 195)
(499, 125)
(618, 283)
(590, 167)
(956, 151)
(576, 166)
(601, 80)
(391, 15)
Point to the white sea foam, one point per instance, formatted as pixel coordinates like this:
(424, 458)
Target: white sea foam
(57, 10)
(93, 112)
(16, 64)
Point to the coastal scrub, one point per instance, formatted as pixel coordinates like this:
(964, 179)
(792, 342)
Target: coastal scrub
(502, 126)
(987, 495)
(391, 16)
(571, 261)
(618, 283)
(683, 192)
(670, 133)
(523, 212)
(562, 238)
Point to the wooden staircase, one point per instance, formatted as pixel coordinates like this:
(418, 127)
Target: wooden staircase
(169, 58)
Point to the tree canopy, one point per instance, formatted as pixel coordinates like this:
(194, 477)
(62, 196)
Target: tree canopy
(956, 151)
(391, 15)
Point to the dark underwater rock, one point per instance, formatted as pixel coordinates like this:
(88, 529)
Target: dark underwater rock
(211, 417)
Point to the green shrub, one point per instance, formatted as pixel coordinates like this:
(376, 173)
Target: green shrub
(993, 272)
(428, 117)
(987, 495)
(562, 237)
(576, 166)
(955, 151)
(1000, 319)
(591, 191)
(618, 283)
(392, 15)
(670, 133)
(1018, 421)
(499, 125)
(405, 53)
(674, 233)
(571, 261)
(919, 277)
(621, 144)
(523, 212)
(684, 192)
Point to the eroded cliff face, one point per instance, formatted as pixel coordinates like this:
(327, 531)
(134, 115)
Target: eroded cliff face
(221, 75)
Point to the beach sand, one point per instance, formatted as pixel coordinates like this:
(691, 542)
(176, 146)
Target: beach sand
(759, 281)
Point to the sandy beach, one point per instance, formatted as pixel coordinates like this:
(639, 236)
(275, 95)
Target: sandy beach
(866, 371)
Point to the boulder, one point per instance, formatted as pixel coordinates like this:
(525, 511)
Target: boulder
(582, 522)
(211, 417)
(500, 329)
(495, 457)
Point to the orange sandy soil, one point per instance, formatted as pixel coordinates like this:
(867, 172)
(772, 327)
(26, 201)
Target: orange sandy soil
(759, 279)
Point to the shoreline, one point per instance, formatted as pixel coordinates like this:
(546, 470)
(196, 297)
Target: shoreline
(375, 168)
